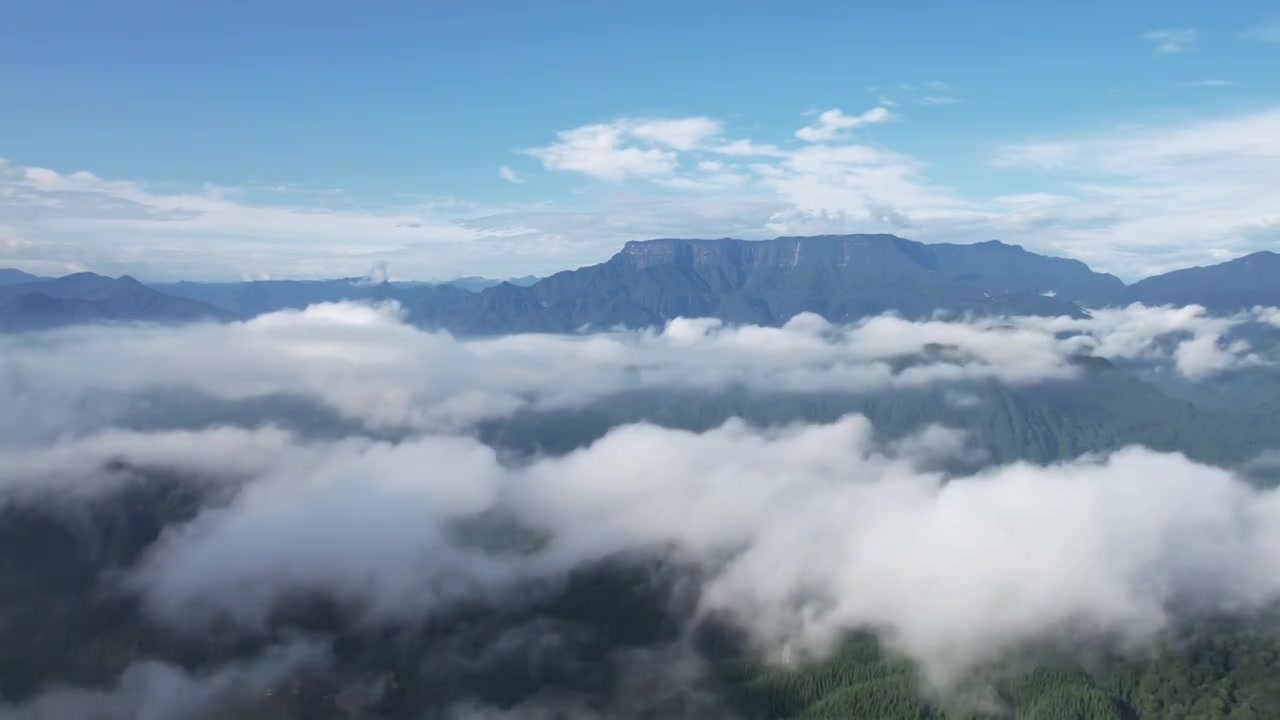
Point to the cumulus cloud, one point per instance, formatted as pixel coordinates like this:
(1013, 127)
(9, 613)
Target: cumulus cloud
(639, 147)
(598, 151)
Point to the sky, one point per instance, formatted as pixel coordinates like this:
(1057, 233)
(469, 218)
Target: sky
(229, 140)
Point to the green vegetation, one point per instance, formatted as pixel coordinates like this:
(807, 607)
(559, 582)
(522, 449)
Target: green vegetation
(1225, 673)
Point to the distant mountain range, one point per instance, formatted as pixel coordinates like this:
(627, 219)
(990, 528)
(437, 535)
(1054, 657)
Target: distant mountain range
(40, 304)
(842, 278)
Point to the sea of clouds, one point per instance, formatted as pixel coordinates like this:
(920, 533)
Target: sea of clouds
(800, 533)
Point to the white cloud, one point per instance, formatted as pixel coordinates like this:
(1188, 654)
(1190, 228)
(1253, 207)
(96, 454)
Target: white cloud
(681, 134)
(1210, 83)
(833, 123)
(1136, 332)
(1171, 41)
(509, 175)
(599, 151)
(363, 363)
(122, 226)
(803, 533)
(642, 148)
(1179, 195)
(745, 148)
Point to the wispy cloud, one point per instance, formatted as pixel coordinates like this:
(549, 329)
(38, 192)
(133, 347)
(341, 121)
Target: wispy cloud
(1268, 32)
(1210, 83)
(1172, 41)
(834, 123)
(934, 92)
(103, 223)
(1179, 194)
(509, 175)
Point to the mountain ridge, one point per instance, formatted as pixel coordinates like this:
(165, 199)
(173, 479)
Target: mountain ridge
(1234, 285)
(647, 282)
(86, 297)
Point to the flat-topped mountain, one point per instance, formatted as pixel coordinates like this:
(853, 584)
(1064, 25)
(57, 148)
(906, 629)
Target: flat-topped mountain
(767, 282)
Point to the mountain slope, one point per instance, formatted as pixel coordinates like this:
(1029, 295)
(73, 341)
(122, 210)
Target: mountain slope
(88, 298)
(1227, 287)
(998, 268)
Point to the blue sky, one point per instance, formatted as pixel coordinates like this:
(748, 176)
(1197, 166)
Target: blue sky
(287, 139)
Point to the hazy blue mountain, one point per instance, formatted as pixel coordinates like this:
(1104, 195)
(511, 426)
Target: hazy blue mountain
(252, 298)
(256, 297)
(1233, 285)
(476, 284)
(87, 298)
(9, 276)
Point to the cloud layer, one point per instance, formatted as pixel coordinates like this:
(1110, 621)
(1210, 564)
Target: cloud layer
(369, 366)
(802, 533)
(799, 534)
